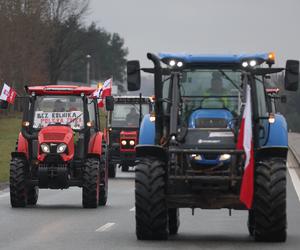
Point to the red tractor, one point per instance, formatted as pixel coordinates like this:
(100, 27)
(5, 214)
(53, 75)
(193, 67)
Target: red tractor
(59, 146)
(123, 121)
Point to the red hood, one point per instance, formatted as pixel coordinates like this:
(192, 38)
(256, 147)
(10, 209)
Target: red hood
(56, 134)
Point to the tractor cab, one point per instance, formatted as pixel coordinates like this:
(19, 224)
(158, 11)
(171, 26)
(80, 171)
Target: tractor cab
(59, 146)
(123, 124)
(215, 142)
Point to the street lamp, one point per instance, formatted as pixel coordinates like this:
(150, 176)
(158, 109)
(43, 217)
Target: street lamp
(88, 61)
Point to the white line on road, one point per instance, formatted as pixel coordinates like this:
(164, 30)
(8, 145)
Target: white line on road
(295, 180)
(132, 209)
(105, 227)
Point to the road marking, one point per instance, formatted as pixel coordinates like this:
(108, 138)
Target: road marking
(105, 227)
(4, 195)
(295, 180)
(132, 209)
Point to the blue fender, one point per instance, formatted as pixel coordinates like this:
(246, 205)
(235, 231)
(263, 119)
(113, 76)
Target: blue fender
(147, 131)
(278, 134)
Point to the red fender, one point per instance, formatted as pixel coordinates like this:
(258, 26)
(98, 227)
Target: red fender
(23, 145)
(95, 144)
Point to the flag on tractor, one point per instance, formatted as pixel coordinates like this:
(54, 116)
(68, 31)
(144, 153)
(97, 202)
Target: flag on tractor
(8, 94)
(106, 91)
(245, 142)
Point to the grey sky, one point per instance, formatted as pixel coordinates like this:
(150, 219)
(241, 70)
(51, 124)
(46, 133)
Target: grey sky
(202, 26)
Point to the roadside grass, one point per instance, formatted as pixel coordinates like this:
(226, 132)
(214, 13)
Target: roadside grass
(9, 130)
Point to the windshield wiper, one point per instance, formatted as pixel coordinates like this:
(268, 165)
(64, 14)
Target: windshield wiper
(230, 80)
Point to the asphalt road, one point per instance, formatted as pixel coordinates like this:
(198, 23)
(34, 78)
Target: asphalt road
(59, 222)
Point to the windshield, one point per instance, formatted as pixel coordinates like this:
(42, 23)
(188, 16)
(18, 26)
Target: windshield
(211, 89)
(49, 110)
(128, 115)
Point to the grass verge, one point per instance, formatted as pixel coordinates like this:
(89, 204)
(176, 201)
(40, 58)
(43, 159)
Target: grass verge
(9, 130)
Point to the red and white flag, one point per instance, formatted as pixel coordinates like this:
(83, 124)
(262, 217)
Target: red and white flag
(8, 94)
(106, 91)
(245, 142)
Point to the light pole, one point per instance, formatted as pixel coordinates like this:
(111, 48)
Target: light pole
(88, 66)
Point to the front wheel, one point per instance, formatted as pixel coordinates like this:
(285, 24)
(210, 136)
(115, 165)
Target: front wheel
(151, 210)
(17, 183)
(32, 195)
(91, 183)
(270, 200)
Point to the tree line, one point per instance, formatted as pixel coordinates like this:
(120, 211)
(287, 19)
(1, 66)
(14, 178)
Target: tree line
(43, 41)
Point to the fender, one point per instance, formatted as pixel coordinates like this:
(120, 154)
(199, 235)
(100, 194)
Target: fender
(278, 133)
(95, 144)
(147, 131)
(277, 144)
(151, 150)
(23, 145)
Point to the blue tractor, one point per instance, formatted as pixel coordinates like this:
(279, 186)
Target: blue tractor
(187, 153)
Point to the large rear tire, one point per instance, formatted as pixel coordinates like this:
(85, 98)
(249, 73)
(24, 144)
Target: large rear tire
(91, 183)
(270, 200)
(151, 209)
(32, 195)
(17, 183)
(174, 221)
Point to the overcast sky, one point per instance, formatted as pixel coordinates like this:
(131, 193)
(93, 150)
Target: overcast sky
(202, 26)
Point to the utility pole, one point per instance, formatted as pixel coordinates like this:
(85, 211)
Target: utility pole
(88, 66)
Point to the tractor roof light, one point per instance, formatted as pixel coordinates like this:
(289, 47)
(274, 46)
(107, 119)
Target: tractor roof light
(245, 64)
(172, 63)
(252, 63)
(179, 64)
(271, 57)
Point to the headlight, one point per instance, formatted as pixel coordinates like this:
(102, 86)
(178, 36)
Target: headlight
(45, 148)
(123, 142)
(61, 148)
(196, 157)
(225, 157)
(131, 142)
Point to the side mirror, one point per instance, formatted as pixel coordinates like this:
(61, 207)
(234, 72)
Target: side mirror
(3, 104)
(291, 79)
(109, 103)
(133, 75)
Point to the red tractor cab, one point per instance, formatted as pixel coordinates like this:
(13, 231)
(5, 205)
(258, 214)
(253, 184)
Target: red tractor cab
(123, 130)
(59, 146)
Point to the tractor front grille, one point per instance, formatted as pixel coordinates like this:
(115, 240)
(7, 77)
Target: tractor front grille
(54, 136)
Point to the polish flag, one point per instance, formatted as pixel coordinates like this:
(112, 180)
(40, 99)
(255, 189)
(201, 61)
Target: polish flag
(8, 94)
(106, 91)
(245, 142)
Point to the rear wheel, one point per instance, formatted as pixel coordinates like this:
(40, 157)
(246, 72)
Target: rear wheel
(174, 221)
(91, 183)
(112, 170)
(125, 168)
(17, 183)
(151, 210)
(32, 195)
(270, 200)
